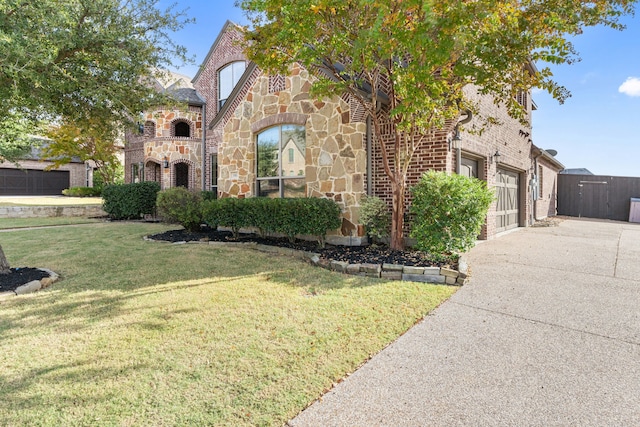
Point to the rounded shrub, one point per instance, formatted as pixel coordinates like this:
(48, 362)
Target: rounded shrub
(449, 211)
(130, 201)
(181, 206)
(375, 216)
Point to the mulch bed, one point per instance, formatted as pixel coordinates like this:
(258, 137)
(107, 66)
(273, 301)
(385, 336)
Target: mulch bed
(370, 254)
(19, 277)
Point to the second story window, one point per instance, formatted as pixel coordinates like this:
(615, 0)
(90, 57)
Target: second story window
(182, 129)
(228, 77)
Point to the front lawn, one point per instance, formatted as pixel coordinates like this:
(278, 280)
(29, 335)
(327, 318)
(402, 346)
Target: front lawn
(146, 333)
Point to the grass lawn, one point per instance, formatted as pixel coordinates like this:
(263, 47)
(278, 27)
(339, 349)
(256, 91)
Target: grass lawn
(150, 334)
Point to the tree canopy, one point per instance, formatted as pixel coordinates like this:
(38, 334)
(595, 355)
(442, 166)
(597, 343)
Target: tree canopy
(81, 58)
(415, 57)
(79, 62)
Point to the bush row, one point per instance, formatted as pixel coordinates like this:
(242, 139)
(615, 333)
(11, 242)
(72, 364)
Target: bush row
(291, 217)
(82, 192)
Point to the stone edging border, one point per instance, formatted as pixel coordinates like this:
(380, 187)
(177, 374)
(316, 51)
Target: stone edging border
(438, 275)
(33, 286)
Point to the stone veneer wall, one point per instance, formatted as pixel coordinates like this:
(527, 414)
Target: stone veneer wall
(336, 159)
(153, 149)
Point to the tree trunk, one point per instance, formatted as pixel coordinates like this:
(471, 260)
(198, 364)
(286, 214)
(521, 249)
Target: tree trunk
(397, 215)
(4, 264)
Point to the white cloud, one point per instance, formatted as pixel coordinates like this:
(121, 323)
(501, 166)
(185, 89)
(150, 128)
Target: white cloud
(630, 87)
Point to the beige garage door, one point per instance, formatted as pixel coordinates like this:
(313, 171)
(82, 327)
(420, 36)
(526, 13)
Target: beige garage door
(508, 214)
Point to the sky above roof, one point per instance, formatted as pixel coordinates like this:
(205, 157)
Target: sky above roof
(597, 128)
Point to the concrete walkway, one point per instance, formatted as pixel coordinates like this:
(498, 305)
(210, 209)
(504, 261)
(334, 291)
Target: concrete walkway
(547, 333)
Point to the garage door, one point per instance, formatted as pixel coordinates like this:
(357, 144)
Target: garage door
(32, 182)
(508, 213)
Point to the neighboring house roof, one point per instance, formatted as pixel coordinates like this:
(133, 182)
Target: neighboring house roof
(576, 171)
(175, 80)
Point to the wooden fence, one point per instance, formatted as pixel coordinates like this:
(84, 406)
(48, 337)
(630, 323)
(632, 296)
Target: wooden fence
(597, 196)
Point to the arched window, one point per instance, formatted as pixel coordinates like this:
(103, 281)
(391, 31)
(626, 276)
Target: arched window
(228, 77)
(281, 160)
(181, 129)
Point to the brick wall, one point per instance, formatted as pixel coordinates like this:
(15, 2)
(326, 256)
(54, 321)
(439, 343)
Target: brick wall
(226, 49)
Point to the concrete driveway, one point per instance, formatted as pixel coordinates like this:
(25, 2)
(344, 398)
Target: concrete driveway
(547, 333)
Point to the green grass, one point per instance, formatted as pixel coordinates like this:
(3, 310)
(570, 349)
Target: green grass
(7, 223)
(145, 333)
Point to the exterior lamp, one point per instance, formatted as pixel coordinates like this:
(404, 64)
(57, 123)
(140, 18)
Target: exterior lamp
(165, 163)
(456, 140)
(496, 156)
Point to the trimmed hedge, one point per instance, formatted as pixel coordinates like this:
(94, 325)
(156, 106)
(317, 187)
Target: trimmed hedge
(82, 192)
(291, 217)
(181, 206)
(130, 201)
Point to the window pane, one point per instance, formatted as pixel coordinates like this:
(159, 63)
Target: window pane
(225, 82)
(294, 187)
(238, 70)
(268, 153)
(293, 142)
(269, 188)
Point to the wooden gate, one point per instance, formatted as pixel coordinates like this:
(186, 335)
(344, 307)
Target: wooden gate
(508, 207)
(597, 196)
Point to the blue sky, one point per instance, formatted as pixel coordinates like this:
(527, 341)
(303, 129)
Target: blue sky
(597, 128)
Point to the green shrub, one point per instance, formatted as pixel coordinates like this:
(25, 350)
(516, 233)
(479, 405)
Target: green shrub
(375, 216)
(291, 217)
(318, 216)
(130, 201)
(227, 212)
(209, 195)
(82, 192)
(449, 211)
(182, 206)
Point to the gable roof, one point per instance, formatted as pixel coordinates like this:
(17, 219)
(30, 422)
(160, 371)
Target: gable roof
(214, 46)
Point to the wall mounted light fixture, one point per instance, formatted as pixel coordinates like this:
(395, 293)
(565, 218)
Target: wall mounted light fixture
(165, 163)
(496, 156)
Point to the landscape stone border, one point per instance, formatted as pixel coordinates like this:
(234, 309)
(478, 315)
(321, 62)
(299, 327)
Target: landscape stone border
(33, 286)
(438, 275)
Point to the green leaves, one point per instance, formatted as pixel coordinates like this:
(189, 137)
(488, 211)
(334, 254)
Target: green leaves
(449, 211)
(80, 59)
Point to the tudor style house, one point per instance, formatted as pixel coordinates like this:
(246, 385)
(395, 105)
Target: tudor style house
(249, 134)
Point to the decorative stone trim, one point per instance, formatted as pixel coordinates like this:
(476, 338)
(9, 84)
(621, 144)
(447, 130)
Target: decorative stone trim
(33, 286)
(51, 211)
(438, 275)
(279, 119)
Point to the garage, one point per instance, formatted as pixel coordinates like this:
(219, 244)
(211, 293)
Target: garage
(508, 206)
(32, 182)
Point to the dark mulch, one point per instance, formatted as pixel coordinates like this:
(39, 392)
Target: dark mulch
(19, 277)
(370, 254)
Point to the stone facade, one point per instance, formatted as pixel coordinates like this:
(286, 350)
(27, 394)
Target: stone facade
(168, 149)
(336, 157)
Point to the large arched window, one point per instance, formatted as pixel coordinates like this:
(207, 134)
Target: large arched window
(228, 77)
(281, 161)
